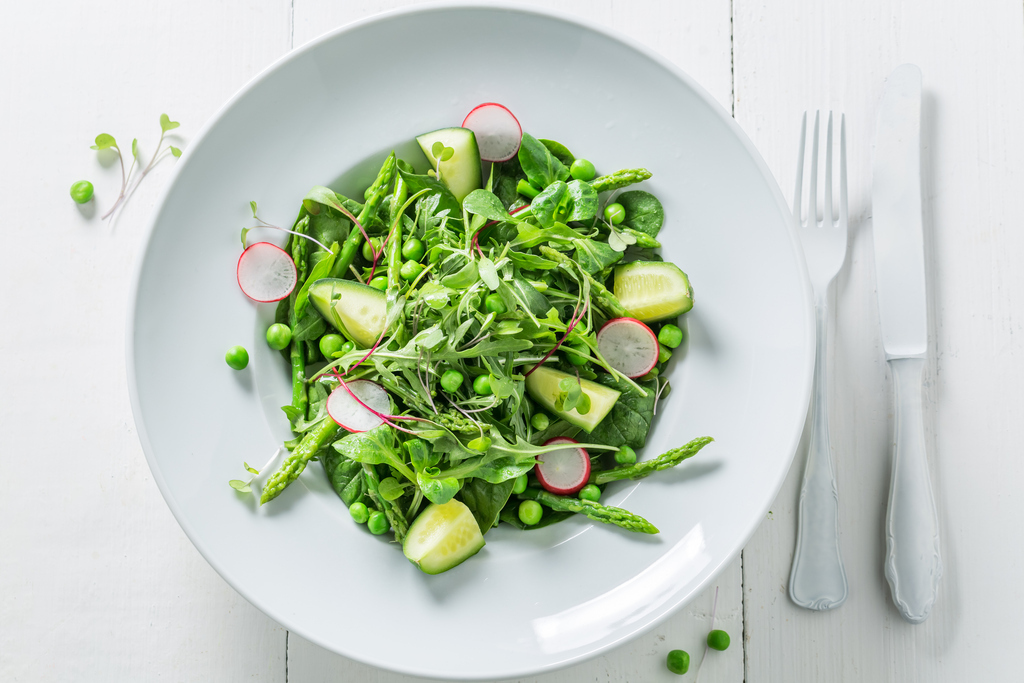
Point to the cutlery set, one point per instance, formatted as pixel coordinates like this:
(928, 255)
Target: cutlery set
(913, 563)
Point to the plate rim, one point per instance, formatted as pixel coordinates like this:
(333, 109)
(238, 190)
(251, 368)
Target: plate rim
(142, 249)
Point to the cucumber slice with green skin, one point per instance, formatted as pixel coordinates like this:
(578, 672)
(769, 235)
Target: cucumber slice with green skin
(653, 290)
(442, 537)
(542, 386)
(357, 311)
(462, 172)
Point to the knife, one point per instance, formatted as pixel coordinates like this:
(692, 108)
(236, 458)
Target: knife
(913, 564)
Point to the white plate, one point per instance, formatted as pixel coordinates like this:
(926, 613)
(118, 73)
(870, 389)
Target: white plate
(529, 601)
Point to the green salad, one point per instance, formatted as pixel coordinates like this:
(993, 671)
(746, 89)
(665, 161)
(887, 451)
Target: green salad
(485, 343)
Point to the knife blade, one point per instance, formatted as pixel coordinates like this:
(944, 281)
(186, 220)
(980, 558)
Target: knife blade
(896, 212)
(913, 563)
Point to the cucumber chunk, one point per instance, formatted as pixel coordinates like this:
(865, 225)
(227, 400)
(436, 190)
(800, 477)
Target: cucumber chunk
(653, 290)
(462, 172)
(442, 537)
(542, 386)
(357, 311)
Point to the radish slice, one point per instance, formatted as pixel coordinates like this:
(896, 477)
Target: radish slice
(564, 471)
(629, 346)
(352, 416)
(497, 131)
(266, 272)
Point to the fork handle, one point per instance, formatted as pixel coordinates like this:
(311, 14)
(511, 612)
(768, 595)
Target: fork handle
(818, 579)
(913, 564)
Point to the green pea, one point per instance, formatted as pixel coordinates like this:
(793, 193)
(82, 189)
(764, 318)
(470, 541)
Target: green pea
(368, 249)
(378, 523)
(678, 661)
(718, 640)
(582, 169)
(347, 346)
(379, 282)
(625, 456)
(81, 191)
(451, 380)
(671, 336)
(590, 492)
(664, 353)
(410, 270)
(494, 304)
(359, 512)
(540, 421)
(614, 213)
(413, 249)
(278, 336)
(530, 512)
(576, 359)
(331, 344)
(583, 405)
(482, 385)
(520, 484)
(237, 357)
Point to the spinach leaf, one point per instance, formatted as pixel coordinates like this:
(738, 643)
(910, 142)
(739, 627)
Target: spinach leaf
(373, 447)
(594, 256)
(582, 201)
(507, 175)
(552, 204)
(425, 182)
(345, 476)
(538, 163)
(485, 500)
(310, 327)
(630, 418)
(536, 302)
(643, 211)
(559, 151)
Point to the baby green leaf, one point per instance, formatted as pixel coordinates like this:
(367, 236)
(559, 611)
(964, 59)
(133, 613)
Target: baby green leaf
(166, 124)
(582, 201)
(488, 273)
(487, 204)
(240, 486)
(539, 164)
(438, 491)
(390, 489)
(643, 211)
(175, 151)
(551, 205)
(104, 141)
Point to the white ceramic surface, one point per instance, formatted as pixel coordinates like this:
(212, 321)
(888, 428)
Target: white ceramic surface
(529, 601)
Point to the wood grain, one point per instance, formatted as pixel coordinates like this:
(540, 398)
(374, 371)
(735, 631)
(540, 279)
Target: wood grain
(97, 580)
(805, 54)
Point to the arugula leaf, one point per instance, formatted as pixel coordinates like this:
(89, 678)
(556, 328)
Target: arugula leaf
(530, 235)
(538, 163)
(629, 421)
(594, 256)
(485, 500)
(643, 211)
(528, 261)
(464, 277)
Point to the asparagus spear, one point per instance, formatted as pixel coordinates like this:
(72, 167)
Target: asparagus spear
(662, 462)
(642, 238)
(604, 298)
(394, 262)
(300, 400)
(595, 511)
(619, 179)
(395, 517)
(296, 461)
(355, 238)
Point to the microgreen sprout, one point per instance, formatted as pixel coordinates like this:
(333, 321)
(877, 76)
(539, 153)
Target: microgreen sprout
(104, 141)
(441, 153)
(264, 224)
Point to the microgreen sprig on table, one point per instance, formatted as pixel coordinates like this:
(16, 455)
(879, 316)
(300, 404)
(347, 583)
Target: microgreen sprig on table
(106, 141)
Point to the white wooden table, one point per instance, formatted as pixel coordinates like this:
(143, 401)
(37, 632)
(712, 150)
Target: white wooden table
(98, 582)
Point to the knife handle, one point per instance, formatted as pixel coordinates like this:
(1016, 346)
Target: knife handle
(817, 580)
(913, 564)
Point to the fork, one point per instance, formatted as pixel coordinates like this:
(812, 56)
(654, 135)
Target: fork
(818, 580)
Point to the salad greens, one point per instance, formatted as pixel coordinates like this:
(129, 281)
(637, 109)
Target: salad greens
(484, 319)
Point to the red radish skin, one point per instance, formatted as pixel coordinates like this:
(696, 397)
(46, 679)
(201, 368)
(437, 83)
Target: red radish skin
(629, 346)
(359, 406)
(266, 273)
(497, 131)
(565, 471)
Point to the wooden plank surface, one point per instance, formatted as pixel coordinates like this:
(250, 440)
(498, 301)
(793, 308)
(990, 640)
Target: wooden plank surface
(97, 580)
(806, 54)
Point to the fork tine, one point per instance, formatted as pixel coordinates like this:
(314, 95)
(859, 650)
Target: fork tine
(827, 213)
(844, 213)
(797, 198)
(812, 193)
